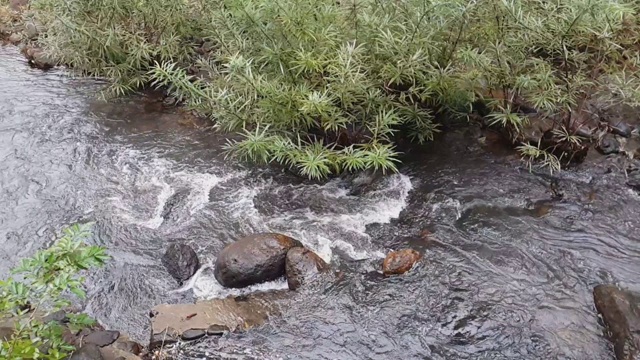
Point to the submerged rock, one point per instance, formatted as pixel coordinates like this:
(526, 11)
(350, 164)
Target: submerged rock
(181, 262)
(253, 259)
(302, 265)
(399, 262)
(620, 310)
(170, 323)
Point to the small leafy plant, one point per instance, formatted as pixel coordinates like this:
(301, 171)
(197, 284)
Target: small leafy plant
(40, 286)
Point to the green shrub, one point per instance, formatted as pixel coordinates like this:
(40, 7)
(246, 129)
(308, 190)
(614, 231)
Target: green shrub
(324, 86)
(43, 283)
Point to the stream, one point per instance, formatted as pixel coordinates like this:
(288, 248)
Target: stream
(507, 271)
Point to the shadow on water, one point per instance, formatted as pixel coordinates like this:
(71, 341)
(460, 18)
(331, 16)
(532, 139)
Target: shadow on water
(507, 270)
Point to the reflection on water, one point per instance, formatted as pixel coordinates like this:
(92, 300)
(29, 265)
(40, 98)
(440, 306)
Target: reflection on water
(507, 270)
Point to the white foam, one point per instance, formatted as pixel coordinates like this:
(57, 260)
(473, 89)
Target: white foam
(207, 287)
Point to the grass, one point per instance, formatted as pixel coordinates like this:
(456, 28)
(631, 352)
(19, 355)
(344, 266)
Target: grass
(325, 86)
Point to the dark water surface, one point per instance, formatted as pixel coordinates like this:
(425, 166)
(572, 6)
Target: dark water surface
(507, 271)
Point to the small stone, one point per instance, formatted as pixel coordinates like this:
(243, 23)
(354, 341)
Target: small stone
(102, 338)
(193, 334)
(608, 145)
(399, 262)
(128, 346)
(87, 352)
(31, 30)
(6, 332)
(216, 330)
(165, 337)
(58, 316)
(15, 38)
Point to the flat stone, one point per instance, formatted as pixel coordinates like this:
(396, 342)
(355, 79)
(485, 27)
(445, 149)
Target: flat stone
(193, 334)
(216, 330)
(87, 352)
(620, 310)
(170, 322)
(102, 338)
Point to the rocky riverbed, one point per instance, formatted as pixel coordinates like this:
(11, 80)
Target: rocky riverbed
(508, 258)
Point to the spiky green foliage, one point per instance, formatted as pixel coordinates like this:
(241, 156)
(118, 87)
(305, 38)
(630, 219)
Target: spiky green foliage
(40, 286)
(324, 86)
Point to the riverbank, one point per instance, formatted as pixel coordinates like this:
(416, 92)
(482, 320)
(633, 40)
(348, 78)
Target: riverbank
(550, 112)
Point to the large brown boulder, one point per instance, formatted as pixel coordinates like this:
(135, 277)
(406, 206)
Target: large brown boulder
(620, 310)
(302, 266)
(253, 259)
(399, 262)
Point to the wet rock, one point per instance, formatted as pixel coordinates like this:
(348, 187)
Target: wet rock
(608, 145)
(399, 262)
(193, 334)
(102, 338)
(15, 38)
(253, 259)
(31, 30)
(87, 352)
(620, 310)
(37, 58)
(302, 266)
(181, 262)
(536, 127)
(174, 202)
(171, 322)
(633, 179)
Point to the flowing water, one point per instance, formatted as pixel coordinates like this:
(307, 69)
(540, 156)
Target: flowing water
(507, 270)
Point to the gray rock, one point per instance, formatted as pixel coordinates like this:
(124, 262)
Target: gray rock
(608, 145)
(303, 265)
(31, 30)
(58, 316)
(181, 262)
(253, 259)
(620, 310)
(87, 352)
(102, 338)
(193, 334)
